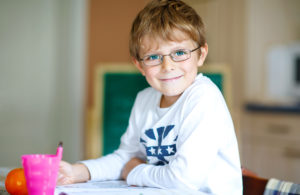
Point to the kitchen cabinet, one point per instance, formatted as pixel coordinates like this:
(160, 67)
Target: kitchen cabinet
(271, 144)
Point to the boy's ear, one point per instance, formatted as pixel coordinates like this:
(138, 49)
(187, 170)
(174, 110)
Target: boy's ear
(204, 51)
(138, 65)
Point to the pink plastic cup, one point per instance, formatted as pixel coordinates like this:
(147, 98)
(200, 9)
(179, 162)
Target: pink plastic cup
(41, 172)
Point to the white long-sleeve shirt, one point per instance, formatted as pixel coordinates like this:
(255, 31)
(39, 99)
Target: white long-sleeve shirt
(191, 144)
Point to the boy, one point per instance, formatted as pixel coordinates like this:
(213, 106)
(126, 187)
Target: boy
(180, 133)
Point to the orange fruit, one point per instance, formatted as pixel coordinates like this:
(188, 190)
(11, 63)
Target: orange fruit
(15, 182)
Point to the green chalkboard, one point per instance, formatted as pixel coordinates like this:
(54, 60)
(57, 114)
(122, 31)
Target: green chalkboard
(120, 90)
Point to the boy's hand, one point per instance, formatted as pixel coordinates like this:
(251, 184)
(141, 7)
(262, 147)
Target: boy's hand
(131, 165)
(69, 174)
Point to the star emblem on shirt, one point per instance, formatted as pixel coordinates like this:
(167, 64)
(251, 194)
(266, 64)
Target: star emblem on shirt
(160, 144)
(170, 150)
(152, 150)
(159, 151)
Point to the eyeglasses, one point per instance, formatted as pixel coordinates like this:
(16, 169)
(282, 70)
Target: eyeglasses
(177, 56)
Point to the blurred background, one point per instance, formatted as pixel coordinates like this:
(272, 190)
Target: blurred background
(49, 50)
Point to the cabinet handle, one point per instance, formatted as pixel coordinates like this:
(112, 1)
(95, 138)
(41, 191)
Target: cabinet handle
(278, 129)
(291, 152)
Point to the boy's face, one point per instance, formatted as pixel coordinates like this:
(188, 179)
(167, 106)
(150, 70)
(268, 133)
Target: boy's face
(170, 78)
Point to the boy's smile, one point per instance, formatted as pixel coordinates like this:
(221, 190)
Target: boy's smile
(170, 78)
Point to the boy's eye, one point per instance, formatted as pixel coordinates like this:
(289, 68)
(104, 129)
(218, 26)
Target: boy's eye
(180, 52)
(152, 57)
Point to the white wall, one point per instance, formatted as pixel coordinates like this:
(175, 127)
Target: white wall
(42, 60)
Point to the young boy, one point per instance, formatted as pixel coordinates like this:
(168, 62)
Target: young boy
(180, 133)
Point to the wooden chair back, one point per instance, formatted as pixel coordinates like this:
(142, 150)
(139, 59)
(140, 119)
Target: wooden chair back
(253, 184)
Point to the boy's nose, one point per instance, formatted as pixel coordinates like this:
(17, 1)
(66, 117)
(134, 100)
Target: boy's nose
(167, 63)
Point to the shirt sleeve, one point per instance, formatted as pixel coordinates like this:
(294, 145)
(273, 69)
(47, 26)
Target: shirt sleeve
(205, 129)
(109, 167)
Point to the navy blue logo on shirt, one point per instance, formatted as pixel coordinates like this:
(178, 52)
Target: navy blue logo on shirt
(160, 151)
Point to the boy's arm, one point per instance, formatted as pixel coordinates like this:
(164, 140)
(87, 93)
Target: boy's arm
(131, 165)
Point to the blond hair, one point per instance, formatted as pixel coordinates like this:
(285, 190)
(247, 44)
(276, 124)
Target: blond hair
(160, 18)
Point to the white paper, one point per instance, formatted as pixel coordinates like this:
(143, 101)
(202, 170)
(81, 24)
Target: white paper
(116, 187)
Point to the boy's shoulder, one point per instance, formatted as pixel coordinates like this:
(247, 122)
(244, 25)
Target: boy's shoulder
(147, 93)
(202, 90)
(147, 98)
(203, 85)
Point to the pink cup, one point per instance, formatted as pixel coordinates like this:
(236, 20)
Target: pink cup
(41, 172)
